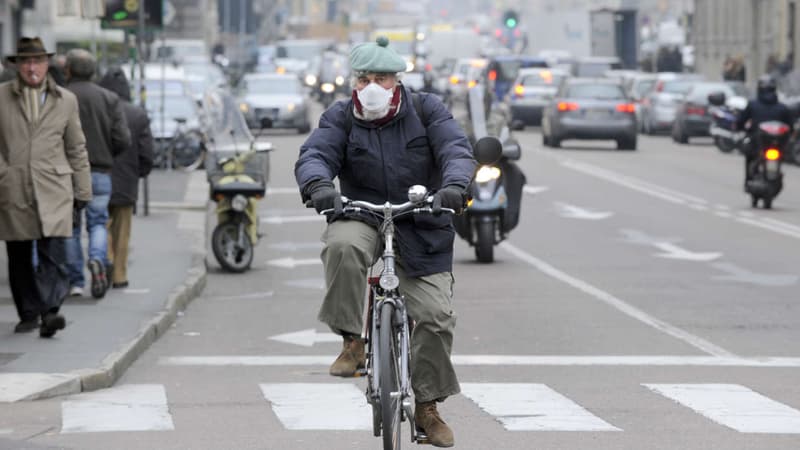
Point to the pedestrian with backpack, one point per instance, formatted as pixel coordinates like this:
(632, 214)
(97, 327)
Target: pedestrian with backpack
(379, 143)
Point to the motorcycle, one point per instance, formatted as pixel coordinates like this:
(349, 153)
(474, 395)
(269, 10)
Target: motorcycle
(723, 125)
(766, 177)
(496, 190)
(237, 181)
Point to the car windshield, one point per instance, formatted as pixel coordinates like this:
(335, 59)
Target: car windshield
(592, 69)
(304, 51)
(543, 78)
(273, 86)
(596, 91)
(678, 86)
(174, 107)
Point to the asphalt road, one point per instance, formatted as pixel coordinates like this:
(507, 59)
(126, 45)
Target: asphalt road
(640, 304)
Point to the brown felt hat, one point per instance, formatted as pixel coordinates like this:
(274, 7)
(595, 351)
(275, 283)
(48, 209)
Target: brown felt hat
(27, 46)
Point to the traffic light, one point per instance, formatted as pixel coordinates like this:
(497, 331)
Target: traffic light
(510, 19)
(125, 13)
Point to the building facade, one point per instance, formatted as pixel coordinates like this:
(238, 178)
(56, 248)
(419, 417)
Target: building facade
(756, 30)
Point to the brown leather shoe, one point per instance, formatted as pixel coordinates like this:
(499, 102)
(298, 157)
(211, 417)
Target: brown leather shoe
(427, 418)
(351, 359)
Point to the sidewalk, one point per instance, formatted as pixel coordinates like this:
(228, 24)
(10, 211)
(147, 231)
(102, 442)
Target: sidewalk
(103, 337)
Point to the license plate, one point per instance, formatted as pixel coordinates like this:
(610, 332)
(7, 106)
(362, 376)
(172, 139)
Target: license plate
(772, 166)
(596, 114)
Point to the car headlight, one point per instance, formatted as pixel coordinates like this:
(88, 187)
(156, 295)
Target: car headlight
(290, 107)
(243, 107)
(311, 79)
(486, 174)
(409, 66)
(239, 203)
(328, 88)
(339, 80)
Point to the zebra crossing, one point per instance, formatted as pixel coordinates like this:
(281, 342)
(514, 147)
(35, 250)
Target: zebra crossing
(517, 407)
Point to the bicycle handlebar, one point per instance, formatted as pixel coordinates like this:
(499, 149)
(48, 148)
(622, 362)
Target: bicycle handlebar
(359, 205)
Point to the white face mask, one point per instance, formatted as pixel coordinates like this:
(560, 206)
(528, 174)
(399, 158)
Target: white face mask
(375, 99)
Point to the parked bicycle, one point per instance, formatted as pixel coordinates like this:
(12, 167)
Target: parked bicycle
(186, 149)
(388, 326)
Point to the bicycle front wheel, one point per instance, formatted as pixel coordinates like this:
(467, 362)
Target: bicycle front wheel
(389, 374)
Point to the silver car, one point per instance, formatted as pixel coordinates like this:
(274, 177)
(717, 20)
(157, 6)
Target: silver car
(588, 108)
(660, 105)
(533, 89)
(278, 98)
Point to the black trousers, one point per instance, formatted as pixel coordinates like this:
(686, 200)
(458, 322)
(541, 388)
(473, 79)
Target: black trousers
(41, 289)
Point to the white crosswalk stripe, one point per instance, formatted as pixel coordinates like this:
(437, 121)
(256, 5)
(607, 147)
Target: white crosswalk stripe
(129, 407)
(734, 406)
(343, 407)
(528, 406)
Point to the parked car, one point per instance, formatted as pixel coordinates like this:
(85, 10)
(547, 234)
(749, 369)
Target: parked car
(660, 105)
(280, 98)
(532, 91)
(590, 108)
(693, 118)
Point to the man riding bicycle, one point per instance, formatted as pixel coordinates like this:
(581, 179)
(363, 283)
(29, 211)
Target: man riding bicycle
(379, 143)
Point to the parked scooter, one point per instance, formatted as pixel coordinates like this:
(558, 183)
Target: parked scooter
(496, 191)
(723, 115)
(237, 169)
(766, 177)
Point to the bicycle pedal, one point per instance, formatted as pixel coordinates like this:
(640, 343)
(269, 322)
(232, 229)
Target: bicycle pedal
(421, 438)
(360, 373)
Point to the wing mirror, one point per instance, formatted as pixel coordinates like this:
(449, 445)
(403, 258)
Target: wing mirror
(262, 147)
(512, 150)
(488, 150)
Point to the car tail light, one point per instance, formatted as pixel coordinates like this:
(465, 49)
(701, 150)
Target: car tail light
(772, 154)
(454, 79)
(492, 75)
(567, 106)
(519, 90)
(628, 108)
(498, 32)
(695, 110)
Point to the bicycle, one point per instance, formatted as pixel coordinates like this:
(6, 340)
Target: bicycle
(187, 149)
(388, 326)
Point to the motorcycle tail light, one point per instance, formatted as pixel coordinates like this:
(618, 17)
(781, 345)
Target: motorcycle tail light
(772, 154)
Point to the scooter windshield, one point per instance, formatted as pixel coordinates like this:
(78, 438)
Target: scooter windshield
(228, 129)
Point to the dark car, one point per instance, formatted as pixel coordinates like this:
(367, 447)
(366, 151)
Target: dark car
(693, 118)
(503, 70)
(532, 91)
(590, 109)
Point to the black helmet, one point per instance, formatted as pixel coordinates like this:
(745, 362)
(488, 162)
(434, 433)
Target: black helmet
(767, 84)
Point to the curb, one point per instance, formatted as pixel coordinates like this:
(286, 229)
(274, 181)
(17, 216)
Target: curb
(47, 385)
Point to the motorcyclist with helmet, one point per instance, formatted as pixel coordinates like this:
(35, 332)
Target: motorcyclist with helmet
(764, 108)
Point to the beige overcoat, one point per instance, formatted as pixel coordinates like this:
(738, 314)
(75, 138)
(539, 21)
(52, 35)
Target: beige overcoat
(41, 164)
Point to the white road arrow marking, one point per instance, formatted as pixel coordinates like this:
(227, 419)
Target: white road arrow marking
(575, 212)
(740, 275)
(291, 263)
(641, 238)
(533, 190)
(672, 251)
(306, 338)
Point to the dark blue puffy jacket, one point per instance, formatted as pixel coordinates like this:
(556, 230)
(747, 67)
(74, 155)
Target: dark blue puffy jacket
(379, 163)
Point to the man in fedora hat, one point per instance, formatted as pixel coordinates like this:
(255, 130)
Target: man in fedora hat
(44, 173)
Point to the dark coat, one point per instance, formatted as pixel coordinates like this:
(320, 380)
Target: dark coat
(103, 123)
(764, 108)
(137, 160)
(379, 163)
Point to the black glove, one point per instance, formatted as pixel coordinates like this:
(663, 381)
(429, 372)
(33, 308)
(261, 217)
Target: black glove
(452, 197)
(324, 196)
(79, 204)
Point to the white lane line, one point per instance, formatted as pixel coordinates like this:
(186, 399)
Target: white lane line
(136, 291)
(780, 223)
(734, 406)
(131, 407)
(315, 406)
(500, 360)
(6, 431)
(767, 226)
(280, 220)
(529, 406)
(723, 214)
(533, 190)
(697, 207)
(197, 188)
(615, 302)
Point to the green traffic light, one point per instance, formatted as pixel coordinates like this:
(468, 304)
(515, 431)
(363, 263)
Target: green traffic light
(120, 15)
(511, 22)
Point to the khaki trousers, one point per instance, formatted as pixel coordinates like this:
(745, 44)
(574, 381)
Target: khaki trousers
(351, 248)
(119, 234)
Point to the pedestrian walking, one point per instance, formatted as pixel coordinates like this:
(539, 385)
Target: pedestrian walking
(133, 163)
(107, 135)
(44, 174)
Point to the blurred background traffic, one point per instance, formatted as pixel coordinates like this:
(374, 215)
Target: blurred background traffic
(280, 57)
